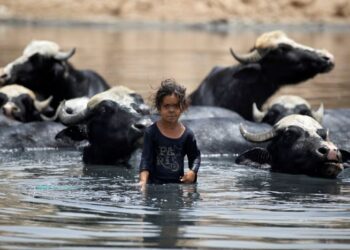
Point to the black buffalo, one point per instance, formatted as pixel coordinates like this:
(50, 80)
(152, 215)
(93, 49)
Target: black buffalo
(112, 122)
(45, 69)
(21, 104)
(274, 61)
(36, 135)
(283, 106)
(298, 145)
(216, 129)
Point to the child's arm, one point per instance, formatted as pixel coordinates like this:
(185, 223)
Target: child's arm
(189, 177)
(144, 175)
(146, 160)
(194, 161)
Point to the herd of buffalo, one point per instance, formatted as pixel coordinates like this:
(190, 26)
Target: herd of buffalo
(47, 103)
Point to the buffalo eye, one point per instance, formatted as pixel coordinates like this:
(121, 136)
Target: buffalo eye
(302, 109)
(285, 47)
(142, 109)
(305, 112)
(272, 116)
(273, 113)
(292, 133)
(323, 133)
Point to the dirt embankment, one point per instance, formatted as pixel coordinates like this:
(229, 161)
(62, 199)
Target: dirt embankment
(248, 11)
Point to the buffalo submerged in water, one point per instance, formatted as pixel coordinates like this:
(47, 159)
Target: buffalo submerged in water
(282, 106)
(298, 144)
(112, 122)
(21, 104)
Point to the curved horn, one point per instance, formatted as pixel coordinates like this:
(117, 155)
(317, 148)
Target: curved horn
(54, 117)
(69, 119)
(318, 114)
(42, 105)
(261, 137)
(63, 56)
(258, 115)
(252, 57)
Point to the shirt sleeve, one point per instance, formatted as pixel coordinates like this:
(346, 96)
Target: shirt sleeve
(193, 153)
(147, 152)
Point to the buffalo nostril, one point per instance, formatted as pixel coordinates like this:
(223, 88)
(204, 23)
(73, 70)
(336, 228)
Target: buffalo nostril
(323, 150)
(69, 110)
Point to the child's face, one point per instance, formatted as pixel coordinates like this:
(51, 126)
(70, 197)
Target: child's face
(170, 110)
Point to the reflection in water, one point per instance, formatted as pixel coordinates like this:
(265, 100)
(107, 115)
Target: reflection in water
(168, 200)
(288, 187)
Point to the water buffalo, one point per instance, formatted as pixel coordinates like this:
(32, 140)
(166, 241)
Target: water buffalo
(113, 122)
(21, 104)
(216, 128)
(274, 61)
(285, 105)
(45, 69)
(36, 135)
(298, 145)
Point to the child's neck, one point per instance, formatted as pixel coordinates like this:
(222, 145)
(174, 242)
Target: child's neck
(169, 125)
(172, 130)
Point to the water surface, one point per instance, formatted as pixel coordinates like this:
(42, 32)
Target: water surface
(50, 200)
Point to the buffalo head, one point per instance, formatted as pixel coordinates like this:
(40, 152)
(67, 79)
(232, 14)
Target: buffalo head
(298, 145)
(38, 58)
(45, 69)
(283, 106)
(286, 61)
(21, 104)
(113, 122)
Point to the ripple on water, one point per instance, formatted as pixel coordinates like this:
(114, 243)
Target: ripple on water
(56, 200)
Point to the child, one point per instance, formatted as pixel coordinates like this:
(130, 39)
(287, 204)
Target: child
(167, 141)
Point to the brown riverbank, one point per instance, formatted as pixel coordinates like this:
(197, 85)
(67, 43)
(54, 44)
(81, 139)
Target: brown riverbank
(179, 11)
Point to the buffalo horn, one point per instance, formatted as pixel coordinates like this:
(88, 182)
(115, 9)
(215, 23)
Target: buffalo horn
(318, 114)
(54, 117)
(258, 115)
(69, 119)
(63, 56)
(258, 137)
(252, 57)
(42, 105)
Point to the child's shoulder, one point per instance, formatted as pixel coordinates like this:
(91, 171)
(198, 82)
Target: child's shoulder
(151, 128)
(189, 131)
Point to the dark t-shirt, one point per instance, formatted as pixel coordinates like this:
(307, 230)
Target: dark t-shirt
(163, 157)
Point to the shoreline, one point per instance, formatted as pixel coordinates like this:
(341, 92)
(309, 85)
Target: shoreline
(210, 26)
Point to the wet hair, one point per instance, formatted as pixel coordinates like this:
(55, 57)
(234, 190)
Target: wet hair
(169, 87)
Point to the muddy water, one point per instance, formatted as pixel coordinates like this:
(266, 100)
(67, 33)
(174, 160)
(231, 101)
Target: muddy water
(50, 200)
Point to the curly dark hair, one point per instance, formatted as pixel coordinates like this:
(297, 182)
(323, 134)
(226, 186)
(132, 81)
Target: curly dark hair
(169, 87)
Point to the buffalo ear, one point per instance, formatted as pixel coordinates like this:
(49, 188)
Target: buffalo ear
(73, 133)
(256, 157)
(346, 158)
(3, 99)
(248, 73)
